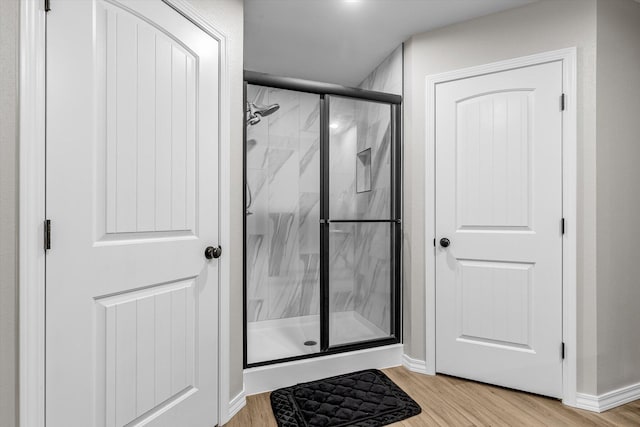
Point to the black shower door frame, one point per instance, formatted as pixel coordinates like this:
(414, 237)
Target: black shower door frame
(326, 91)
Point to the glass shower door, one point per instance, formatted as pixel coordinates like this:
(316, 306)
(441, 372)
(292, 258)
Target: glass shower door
(322, 220)
(282, 214)
(361, 222)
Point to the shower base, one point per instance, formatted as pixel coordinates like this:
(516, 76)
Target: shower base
(285, 374)
(281, 338)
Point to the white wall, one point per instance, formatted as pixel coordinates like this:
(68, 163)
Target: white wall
(618, 196)
(9, 13)
(538, 27)
(227, 16)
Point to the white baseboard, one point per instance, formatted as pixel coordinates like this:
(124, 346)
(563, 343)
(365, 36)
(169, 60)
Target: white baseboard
(608, 400)
(235, 405)
(415, 365)
(271, 377)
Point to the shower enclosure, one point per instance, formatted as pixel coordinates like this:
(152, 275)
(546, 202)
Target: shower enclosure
(322, 219)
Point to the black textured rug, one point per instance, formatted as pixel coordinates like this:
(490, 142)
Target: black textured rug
(363, 399)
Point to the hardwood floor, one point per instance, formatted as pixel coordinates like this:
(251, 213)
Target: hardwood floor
(449, 401)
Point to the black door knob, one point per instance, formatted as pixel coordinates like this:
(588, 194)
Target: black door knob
(212, 252)
(444, 242)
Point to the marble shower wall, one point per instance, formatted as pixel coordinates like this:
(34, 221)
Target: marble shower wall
(360, 253)
(342, 203)
(386, 77)
(372, 290)
(359, 257)
(283, 169)
(283, 172)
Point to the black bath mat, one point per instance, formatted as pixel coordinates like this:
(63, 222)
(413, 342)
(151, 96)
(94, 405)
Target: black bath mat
(361, 399)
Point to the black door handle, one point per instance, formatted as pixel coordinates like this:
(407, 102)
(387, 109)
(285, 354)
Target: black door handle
(210, 252)
(444, 242)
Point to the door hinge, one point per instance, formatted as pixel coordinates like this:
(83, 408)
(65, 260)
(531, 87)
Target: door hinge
(47, 5)
(563, 102)
(434, 243)
(562, 225)
(47, 234)
(562, 350)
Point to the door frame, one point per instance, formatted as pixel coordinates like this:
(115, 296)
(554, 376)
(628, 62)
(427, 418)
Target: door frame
(32, 204)
(569, 204)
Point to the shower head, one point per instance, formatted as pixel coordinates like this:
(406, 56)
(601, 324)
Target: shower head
(263, 110)
(257, 112)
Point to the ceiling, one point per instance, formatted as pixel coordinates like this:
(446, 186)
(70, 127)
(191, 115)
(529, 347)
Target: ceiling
(341, 41)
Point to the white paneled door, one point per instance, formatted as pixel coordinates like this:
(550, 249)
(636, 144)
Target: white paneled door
(132, 195)
(498, 228)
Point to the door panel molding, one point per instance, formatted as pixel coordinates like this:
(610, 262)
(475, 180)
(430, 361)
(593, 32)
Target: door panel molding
(569, 208)
(32, 211)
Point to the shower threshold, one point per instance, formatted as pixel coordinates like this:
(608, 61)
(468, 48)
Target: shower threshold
(290, 337)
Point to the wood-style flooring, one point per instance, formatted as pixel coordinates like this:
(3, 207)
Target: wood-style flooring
(449, 401)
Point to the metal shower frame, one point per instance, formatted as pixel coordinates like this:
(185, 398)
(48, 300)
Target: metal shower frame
(326, 91)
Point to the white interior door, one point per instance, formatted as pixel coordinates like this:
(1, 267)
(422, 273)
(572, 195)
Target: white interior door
(132, 194)
(499, 202)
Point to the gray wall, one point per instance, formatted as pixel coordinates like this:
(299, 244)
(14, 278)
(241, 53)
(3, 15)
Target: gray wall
(228, 16)
(538, 27)
(618, 196)
(9, 13)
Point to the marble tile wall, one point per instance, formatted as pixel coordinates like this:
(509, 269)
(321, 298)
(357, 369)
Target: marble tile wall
(283, 169)
(372, 289)
(360, 255)
(283, 172)
(373, 240)
(387, 76)
(357, 256)
(343, 138)
(342, 267)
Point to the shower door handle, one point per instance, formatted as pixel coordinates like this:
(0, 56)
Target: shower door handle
(210, 252)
